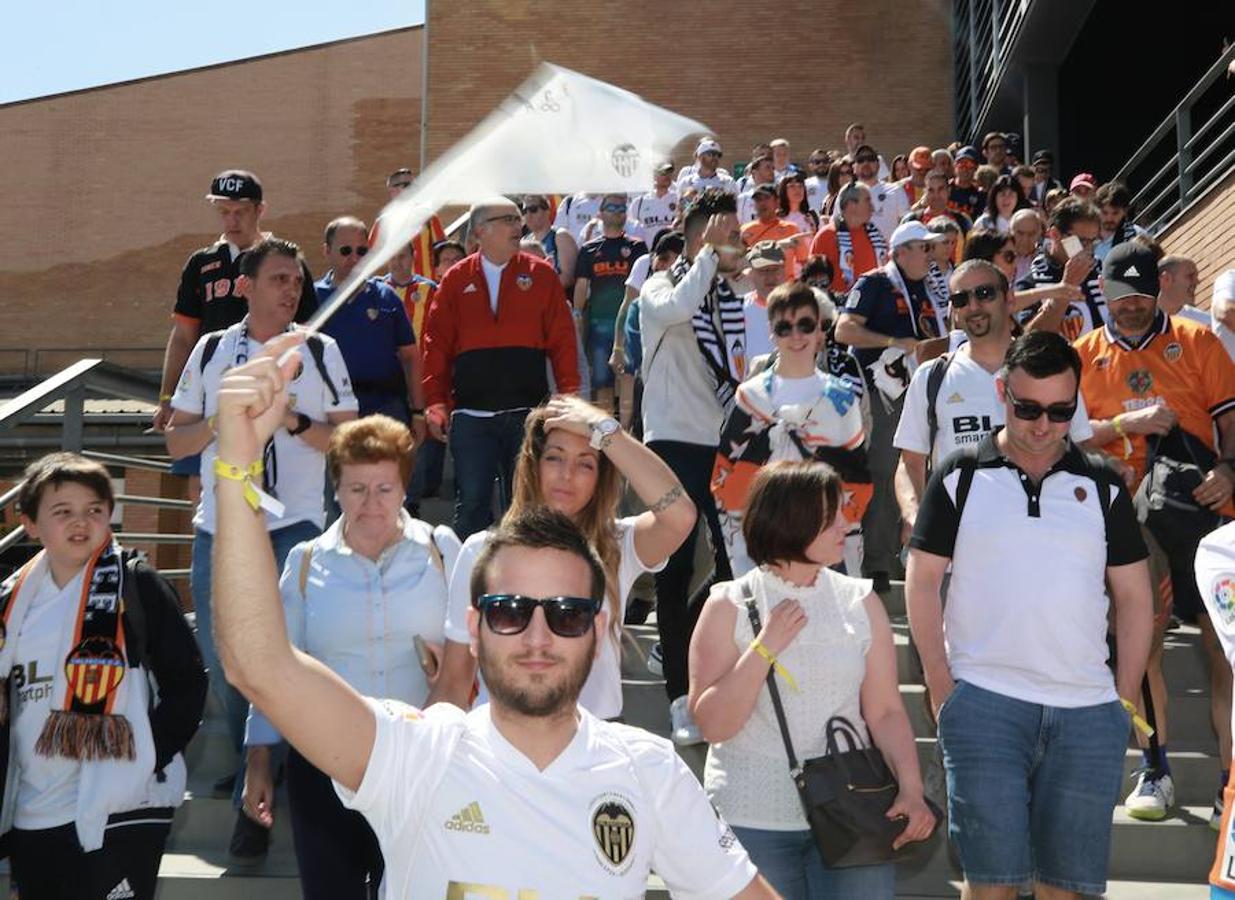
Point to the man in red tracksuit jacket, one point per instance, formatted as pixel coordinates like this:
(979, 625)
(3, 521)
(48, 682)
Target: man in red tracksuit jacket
(495, 319)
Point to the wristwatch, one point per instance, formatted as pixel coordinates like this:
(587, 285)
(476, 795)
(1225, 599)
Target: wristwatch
(303, 423)
(603, 432)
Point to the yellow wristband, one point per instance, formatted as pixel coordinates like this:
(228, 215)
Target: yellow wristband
(229, 472)
(163, 398)
(1141, 725)
(775, 663)
(1118, 425)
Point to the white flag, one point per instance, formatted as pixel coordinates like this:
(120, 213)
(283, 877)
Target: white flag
(559, 132)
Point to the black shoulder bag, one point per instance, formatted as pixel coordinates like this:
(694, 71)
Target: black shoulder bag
(845, 794)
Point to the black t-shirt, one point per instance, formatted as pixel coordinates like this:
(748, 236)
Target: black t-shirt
(606, 263)
(886, 311)
(971, 200)
(208, 290)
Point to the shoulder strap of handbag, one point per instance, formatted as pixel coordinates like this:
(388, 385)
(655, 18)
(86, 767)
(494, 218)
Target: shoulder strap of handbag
(134, 615)
(756, 626)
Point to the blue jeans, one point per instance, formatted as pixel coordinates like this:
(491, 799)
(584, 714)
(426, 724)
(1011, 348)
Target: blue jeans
(1031, 787)
(484, 448)
(236, 708)
(791, 863)
(427, 471)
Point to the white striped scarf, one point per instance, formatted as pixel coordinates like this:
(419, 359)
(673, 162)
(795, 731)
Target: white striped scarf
(937, 290)
(844, 249)
(720, 328)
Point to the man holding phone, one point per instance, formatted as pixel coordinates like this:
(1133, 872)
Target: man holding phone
(1074, 229)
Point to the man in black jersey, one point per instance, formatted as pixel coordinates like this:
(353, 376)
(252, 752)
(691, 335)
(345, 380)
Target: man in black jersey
(206, 300)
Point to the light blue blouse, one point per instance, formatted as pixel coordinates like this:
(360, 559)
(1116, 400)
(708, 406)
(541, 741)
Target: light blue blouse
(358, 616)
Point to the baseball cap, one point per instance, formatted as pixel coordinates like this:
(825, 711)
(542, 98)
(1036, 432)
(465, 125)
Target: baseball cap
(1084, 178)
(1043, 156)
(920, 157)
(765, 254)
(708, 145)
(664, 167)
(1130, 268)
(970, 153)
(764, 189)
(235, 184)
(779, 142)
(908, 232)
(1224, 286)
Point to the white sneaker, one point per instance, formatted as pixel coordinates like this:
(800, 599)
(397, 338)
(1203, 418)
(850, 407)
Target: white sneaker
(682, 725)
(1215, 816)
(656, 661)
(1151, 797)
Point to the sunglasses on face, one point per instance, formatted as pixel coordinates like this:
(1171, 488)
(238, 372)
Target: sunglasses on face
(534, 209)
(1031, 410)
(510, 614)
(613, 207)
(508, 219)
(866, 159)
(401, 184)
(983, 293)
(805, 325)
(346, 250)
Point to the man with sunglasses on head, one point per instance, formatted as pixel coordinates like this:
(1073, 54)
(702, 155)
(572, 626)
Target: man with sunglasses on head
(1033, 724)
(498, 317)
(1072, 218)
(528, 794)
(372, 331)
(1160, 386)
(952, 402)
(600, 285)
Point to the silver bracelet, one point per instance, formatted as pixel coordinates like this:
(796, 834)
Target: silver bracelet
(670, 497)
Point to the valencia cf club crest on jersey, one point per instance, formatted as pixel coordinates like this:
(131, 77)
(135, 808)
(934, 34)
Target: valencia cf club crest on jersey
(523, 282)
(613, 828)
(1080, 493)
(1140, 380)
(1173, 351)
(372, 313)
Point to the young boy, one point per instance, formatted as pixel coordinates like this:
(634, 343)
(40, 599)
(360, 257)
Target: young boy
(93, 770)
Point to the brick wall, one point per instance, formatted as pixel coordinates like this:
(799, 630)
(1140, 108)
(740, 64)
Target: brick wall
(813, 67)
(103, 188)
(1206, 234)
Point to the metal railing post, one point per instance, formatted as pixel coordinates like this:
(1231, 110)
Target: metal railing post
(1183, 134)
(74, 410)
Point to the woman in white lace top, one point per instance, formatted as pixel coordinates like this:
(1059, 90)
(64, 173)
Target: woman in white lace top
(830, 634)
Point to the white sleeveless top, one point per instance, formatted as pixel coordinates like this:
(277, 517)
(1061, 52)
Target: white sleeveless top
(747, 776)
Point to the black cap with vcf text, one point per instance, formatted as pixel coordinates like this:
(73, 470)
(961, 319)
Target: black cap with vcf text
(235, 184)
(1130, 268)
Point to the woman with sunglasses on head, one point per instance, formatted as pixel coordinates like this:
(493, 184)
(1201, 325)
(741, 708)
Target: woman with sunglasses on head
(790, 410)
(367, 599)
(559, 243)
(573, 459)
(827, 637)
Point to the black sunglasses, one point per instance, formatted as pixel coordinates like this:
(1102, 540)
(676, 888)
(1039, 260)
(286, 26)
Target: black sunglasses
(346, 250)
(568, 617)
(534, 209)
(1031, 410)
(983, 293)
(805, 326)
(865, 159)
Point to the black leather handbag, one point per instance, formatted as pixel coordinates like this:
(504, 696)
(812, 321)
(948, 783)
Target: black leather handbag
(846, 793)
(1176, 464)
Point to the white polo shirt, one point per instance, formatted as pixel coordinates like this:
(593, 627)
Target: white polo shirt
(966, 409)
(301, 470)
(1026, 611)
(460, 812)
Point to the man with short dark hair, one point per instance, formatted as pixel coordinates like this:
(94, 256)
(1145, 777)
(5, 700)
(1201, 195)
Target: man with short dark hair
(1163, 385)
(207, 299)
(291, 463)
(1114, 201)
(695, 356)
(1072, 218)
(523, 764)
(886, 315)
(372, 331)
(498, 317)
(759, 174)
(995, 150)
(600, 284)
(1031, 720)
(855, 137)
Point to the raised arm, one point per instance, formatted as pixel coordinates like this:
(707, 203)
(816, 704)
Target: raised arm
(319, 714)
(670, 515)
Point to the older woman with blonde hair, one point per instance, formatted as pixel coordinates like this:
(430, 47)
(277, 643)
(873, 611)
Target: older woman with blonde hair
(573, 460)
(367, 599)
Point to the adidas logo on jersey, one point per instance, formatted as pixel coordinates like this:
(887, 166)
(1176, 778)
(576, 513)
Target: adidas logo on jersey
(122, 891)
(956, 398)
(470, 818)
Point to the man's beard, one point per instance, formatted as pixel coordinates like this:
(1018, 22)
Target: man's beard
(549, 700)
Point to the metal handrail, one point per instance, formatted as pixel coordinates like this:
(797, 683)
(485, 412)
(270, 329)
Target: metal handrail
(1190, 142)
(163, 502)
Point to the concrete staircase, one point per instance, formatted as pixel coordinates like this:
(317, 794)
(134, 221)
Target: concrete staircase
(1163, 861)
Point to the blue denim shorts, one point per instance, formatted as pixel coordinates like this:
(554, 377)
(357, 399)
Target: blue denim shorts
(599, 348)
(1031, 788)
(187, 465)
